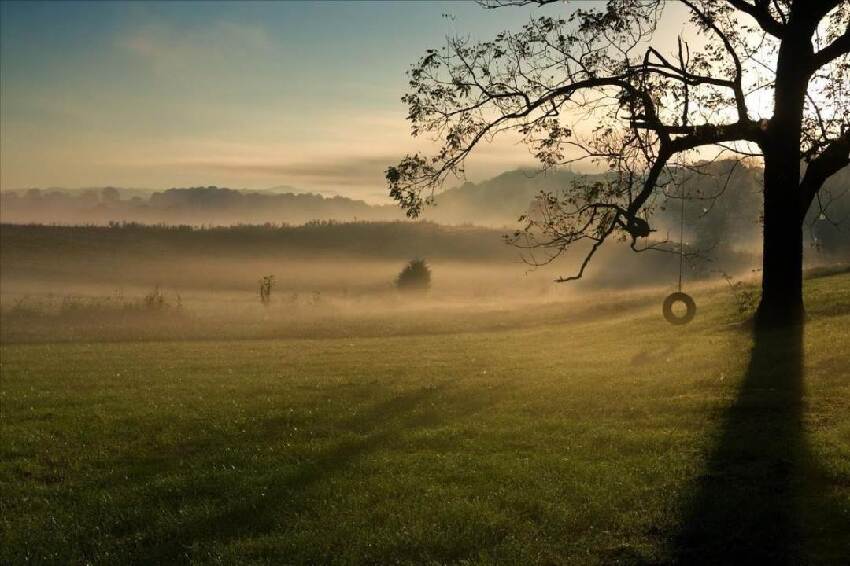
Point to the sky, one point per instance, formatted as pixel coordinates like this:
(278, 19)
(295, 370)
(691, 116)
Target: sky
(243, 95)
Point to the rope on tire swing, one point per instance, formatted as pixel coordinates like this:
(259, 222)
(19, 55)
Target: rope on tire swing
(679, 296)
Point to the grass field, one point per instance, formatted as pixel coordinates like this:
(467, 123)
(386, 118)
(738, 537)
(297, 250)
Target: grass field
(615, 439)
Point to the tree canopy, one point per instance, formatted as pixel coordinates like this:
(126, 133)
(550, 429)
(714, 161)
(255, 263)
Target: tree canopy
(595, 81)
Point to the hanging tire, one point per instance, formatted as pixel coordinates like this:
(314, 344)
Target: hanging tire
(690, 308)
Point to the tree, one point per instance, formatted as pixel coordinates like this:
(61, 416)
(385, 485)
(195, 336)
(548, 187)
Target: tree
(416, 276)
(654, 111)
(110, 194)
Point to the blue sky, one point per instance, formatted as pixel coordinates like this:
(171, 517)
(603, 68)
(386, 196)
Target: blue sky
(246, 95)
(152, 94)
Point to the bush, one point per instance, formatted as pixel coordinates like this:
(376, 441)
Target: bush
(82, 308)
(746, 297)
(416, 276)
(266, 284)
(155, 300)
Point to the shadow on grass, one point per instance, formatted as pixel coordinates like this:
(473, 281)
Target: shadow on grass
(289, 495)
(762, 498)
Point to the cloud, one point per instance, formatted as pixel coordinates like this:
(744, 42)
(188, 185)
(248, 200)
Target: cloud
(354, 171)
(168, 48)
(344, 172)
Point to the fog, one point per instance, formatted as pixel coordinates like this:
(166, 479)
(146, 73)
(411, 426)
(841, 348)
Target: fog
(114, 281)
(156, 283)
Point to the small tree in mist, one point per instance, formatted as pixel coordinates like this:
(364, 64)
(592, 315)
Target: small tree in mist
(266, 284)
(416, 276)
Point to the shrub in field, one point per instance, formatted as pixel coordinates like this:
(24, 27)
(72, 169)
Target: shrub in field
(24, 307)
(746, 298)
(266, 284)
(155, 300)
(76, 307)
(416, 276)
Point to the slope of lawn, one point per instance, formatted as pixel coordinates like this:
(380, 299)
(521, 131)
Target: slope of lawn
(615, 440)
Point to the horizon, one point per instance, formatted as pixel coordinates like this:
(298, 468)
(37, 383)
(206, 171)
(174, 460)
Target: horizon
(459, 182)
(289, 189)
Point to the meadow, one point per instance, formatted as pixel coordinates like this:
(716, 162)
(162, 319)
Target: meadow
(559, 430)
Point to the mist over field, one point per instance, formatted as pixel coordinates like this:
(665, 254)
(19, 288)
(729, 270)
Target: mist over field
(340, 274)
(199, 246)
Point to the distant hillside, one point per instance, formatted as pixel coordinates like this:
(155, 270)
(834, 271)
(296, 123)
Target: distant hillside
(214, 206)
(731, 220)
(498, 201)
(376, 240)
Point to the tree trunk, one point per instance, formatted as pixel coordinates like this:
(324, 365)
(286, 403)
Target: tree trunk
(782, 259)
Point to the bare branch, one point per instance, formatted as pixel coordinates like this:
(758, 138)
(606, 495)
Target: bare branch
(833, 51)
(835, 157)
(709, 22)
(760, 13)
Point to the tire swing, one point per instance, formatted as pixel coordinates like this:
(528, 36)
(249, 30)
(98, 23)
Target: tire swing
(690, 308)
(679, 296)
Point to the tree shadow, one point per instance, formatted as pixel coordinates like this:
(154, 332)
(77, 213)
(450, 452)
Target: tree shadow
(761, 495)
(744, 508)
(376, 427)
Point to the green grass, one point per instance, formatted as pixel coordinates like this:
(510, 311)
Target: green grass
(616, 440)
